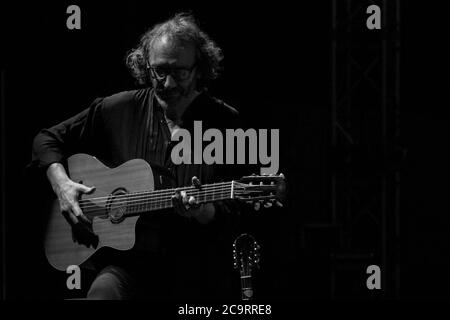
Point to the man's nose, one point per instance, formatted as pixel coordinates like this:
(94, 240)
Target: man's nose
(170, 82)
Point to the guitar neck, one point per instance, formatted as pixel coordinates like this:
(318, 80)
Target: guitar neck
(246, 286)
(146, 201)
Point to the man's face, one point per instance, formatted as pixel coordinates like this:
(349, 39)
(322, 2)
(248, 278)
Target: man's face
(173, 71)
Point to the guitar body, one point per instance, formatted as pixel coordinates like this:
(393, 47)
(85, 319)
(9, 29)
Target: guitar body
(133, 176)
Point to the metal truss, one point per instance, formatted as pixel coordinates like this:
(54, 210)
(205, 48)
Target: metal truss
(365, 138)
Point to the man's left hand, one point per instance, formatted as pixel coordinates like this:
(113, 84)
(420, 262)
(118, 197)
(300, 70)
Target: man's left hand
(187, 206)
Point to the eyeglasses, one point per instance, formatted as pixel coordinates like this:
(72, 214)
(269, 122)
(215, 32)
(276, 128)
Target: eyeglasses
(178, 73)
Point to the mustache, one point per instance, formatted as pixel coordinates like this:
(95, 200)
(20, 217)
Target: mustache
(168, 92)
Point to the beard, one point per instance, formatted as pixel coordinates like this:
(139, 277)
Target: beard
(170, 96)
(173, 97)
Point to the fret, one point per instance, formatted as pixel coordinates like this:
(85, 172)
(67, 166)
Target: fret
(232, 189)
(201, 196)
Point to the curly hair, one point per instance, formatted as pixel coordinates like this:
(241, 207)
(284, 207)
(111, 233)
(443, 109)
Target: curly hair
(182, 27)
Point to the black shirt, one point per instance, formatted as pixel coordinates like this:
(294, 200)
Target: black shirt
(131, 125)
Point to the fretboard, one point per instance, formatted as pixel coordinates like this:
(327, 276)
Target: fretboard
(157, 200)
(147, 201)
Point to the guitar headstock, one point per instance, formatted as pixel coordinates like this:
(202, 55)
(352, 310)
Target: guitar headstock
(246, 254)
(262, 188)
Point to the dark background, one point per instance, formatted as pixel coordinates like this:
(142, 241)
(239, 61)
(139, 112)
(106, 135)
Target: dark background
(278, 75)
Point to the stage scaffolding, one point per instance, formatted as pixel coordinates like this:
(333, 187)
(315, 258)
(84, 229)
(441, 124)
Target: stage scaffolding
(365, 139)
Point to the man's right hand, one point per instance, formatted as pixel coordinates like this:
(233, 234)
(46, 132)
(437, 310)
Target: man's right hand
(68, 193)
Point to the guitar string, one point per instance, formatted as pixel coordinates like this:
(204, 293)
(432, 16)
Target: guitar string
(161, 204)
(248, 280)
(155, 200)
(167, 202)
(160, 192)
(162, 198)
(146, 199)
(149, 196)
(245, 283)
(100, 211)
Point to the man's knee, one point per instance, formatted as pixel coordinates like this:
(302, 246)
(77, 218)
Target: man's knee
(112, 283)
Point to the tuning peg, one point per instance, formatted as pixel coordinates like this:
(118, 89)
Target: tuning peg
(267, 204)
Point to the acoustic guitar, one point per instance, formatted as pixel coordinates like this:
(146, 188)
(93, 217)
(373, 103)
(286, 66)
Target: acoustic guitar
(124, 193)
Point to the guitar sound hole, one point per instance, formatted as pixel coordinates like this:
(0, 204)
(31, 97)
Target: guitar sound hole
(117, 205)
